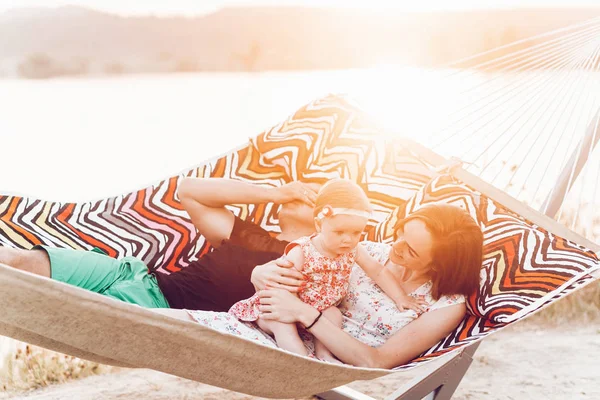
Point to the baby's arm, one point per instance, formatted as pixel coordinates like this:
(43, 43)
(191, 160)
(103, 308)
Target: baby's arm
(386, 281)
(269, 278)
(296, 257)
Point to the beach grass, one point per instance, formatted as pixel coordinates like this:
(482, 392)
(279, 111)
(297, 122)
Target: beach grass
(31, 367)
(581, 307)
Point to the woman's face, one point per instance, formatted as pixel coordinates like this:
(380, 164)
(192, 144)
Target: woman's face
(413, 247)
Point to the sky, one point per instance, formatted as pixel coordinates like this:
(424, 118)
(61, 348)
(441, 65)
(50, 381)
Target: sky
(194, 7)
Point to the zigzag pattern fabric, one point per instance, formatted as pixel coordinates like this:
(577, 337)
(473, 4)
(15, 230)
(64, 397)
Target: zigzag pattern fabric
(330, 137)
(525, 267)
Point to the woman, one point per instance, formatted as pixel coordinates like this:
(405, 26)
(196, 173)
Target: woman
(436, 254)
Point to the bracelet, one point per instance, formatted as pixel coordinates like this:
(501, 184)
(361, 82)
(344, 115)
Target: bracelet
(315, 321)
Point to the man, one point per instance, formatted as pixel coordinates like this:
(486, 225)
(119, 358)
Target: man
(215, 281)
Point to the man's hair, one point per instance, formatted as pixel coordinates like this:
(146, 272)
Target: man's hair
(457, 249)
(342, 193)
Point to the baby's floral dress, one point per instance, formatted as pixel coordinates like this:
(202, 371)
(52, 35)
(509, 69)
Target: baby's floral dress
(368, 314)
(328, 279)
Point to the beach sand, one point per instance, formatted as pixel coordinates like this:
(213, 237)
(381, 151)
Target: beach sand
(526, 361)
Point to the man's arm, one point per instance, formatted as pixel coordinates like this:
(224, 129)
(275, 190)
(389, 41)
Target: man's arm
(279, 274)
(205, 199)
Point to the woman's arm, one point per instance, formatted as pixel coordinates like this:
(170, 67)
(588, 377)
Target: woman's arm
(204, 199)
(406, 344)
(416, 337)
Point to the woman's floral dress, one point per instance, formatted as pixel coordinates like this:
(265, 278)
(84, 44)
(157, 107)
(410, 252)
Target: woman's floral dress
(368, 314)
(327, 277)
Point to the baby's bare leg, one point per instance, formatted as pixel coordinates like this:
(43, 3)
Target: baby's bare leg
(335, 316)
(286, 335)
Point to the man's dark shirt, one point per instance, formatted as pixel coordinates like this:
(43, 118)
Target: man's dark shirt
(222, 277)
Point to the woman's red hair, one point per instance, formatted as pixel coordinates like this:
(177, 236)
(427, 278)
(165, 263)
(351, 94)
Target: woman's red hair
(457, 249)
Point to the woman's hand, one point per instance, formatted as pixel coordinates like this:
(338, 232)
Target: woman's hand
(283, 306)
(278, 274)
(295, 191)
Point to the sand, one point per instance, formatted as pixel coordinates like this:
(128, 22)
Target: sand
(521, 362)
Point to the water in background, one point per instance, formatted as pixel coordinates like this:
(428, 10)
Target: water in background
(82, 139)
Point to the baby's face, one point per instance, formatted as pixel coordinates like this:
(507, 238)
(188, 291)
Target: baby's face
(341, 233)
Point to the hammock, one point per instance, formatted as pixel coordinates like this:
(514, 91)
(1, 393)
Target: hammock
(530, 260)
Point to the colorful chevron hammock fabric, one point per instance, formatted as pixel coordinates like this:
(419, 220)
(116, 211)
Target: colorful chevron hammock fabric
(525, 267)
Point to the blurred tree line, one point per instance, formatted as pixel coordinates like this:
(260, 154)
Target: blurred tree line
(77, 41)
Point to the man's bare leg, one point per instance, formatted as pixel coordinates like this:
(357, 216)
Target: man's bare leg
(34, 261)
(173, 313)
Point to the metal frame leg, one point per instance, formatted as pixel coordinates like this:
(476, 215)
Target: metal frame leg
(438, 385)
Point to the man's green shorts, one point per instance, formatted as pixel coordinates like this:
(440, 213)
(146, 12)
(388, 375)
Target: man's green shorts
(126, 279)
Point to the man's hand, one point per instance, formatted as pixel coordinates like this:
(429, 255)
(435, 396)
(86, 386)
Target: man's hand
(279, 274)
(295, 191)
